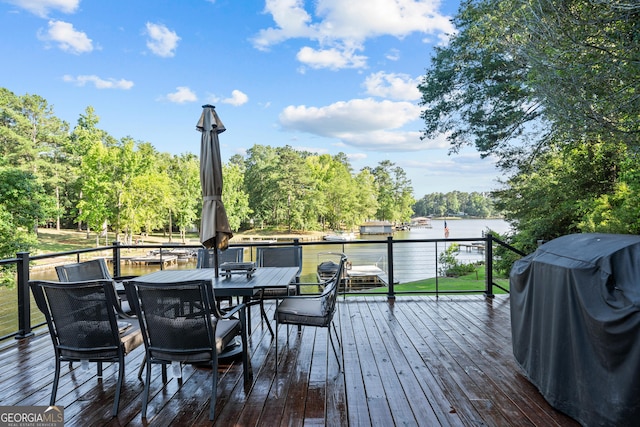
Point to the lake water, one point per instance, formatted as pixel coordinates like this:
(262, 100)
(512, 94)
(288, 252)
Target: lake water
(420, 261)
(412, 261)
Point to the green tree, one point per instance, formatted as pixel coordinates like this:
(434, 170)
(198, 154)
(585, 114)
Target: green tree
(334, 189)
(549, 88)
(23, 196)
(13, 239)
(366, 197)
(234, 196)
(395, 194)
(184, 173)
(17, 137)
(261, 176)
(95, 207)
(85, 137)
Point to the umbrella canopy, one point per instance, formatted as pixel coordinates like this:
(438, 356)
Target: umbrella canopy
(215, 231)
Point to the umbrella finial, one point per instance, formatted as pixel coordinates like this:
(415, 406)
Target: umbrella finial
(208, 106)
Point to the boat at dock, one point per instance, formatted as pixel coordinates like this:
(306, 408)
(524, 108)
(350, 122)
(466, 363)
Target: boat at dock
(340, 236)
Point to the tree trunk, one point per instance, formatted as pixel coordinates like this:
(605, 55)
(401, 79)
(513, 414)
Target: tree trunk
(57, 208)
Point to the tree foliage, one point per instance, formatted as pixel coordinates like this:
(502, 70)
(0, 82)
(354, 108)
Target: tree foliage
(88, 179)
(455, 203)
(548, 87)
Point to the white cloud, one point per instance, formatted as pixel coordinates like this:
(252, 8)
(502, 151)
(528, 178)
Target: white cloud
(237, 98)
(333, 58)
(393, 86)
(364, 123)
(42, 8)
(393, 55)
(346, 25)
(181, 95)
(291, 19)
(162, 41)
(99, 82)
(66, 37)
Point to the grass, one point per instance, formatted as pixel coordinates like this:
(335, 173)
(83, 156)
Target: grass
(51, 240)
(473, 281)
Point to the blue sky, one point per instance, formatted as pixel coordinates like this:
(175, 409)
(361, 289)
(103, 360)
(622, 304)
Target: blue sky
(326, 76)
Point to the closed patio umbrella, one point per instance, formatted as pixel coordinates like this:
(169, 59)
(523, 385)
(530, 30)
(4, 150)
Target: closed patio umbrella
(215, 231)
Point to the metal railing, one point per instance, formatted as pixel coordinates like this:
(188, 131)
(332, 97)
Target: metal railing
(399, 261)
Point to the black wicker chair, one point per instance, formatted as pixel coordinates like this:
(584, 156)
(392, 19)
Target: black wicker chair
(95, 269)
(83, 326)
(181, 323)
(277, 256)
(206, 256)
(313, 310)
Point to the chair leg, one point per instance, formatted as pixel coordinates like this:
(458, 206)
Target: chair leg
(214, 387)
(116, 399)
(265, 319)
(147, 385)
(276, 339)
(142, 365)
(56, 379)
(333, 345)
(246, 363)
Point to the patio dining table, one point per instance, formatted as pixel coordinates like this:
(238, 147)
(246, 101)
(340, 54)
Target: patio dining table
(235, 285)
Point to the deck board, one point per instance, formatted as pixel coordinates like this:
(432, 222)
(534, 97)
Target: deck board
(421, 361)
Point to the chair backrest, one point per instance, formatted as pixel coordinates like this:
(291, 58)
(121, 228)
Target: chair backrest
(330, 292)
(175, 319)
(80, 317)
(206, 256)
(280, 256)
(95, 269)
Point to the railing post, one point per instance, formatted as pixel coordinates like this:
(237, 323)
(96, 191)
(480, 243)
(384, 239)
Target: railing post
(392, 292)
(116, 259)
(24, 302)
(437, 272)
(488, 262)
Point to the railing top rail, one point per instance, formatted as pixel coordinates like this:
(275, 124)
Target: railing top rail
(65, 253)
(247, 244)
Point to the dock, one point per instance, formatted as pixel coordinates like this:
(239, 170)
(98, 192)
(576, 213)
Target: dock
(366, 276)
(165, 260)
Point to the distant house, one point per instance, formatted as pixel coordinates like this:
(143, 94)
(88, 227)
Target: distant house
(376, 227)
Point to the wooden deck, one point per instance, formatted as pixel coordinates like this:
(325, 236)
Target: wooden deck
(420, 361)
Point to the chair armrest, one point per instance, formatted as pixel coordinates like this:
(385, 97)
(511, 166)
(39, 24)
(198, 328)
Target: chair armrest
(120, 312)
(226, 314)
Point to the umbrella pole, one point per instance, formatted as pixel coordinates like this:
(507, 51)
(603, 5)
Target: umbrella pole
(215, 261)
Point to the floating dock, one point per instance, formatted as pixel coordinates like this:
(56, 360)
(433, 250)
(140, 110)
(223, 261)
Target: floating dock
(363, 276)
(165, 260)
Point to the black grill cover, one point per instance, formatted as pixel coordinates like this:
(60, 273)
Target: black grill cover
(575, 323)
